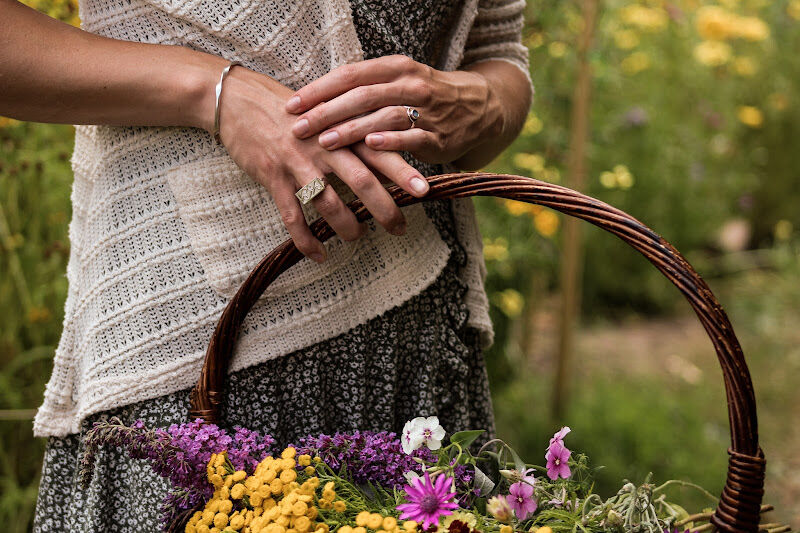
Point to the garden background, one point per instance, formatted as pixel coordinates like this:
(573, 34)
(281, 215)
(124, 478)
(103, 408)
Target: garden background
(694, 126)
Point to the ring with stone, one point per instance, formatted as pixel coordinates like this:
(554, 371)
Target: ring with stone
(310, 190)
(413, 115)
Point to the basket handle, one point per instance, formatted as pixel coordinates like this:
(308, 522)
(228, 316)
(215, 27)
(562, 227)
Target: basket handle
(740, 501)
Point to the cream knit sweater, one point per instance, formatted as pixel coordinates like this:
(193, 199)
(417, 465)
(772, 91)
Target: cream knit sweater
(165, 226)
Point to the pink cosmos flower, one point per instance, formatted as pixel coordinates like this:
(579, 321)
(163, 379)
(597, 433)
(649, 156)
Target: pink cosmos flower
(557, 458)
(428, 500)
(521, 499)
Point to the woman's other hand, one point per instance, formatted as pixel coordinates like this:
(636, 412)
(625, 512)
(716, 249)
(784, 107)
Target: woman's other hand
(256, 131)
(460, 111)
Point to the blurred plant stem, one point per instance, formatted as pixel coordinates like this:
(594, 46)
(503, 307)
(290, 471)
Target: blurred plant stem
(572, 255)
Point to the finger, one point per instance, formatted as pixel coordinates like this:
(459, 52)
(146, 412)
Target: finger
(395, 168)
(282, 191)
(352, 131)
(353, 103)
(347, 77)
(330, 206)
(410, 140)
(352, 171)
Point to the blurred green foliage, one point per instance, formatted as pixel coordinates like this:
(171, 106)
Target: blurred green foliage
(695, 119)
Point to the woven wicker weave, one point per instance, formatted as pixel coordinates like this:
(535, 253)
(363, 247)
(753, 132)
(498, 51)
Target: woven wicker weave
(739, 505)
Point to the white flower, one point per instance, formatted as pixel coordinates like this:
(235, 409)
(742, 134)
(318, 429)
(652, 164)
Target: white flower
(421, 431)
(412, 437)
(411, 476)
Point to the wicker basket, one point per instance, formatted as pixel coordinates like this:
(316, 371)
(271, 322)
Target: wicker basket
(740, 503)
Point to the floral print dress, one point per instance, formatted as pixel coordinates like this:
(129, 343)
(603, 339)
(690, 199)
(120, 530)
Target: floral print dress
(417, 359)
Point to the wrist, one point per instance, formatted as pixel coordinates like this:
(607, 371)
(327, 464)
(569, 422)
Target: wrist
(199, 78)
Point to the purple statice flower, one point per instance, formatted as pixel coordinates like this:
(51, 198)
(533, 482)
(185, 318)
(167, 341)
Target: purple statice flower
(428, 500)
(557, 458)
(366, 456)
(520, 498)
(179, 453)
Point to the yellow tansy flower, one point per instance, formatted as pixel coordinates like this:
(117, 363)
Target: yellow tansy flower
(389, 523)
(506, 529)
(220, 520)
(374, 521)
(361, 518)
(237, 491)
(289, 453)
(309, 470)
(339, 506)
(239, 475)
(304, 460)
(287, 476)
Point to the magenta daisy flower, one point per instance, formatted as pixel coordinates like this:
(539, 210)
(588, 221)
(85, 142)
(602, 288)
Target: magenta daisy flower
(428, 500)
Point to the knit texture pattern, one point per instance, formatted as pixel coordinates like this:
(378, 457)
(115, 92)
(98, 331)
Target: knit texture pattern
(165, 226)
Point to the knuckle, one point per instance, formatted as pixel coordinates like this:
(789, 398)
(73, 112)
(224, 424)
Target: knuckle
(360, 178)
(348, 73)
(419, 89)
(292, 218)
(404, 63)
(326, 204)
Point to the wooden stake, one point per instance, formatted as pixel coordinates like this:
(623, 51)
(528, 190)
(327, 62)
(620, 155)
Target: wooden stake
(572, 254)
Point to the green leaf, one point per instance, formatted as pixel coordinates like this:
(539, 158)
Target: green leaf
(519, 464)
(465, 438)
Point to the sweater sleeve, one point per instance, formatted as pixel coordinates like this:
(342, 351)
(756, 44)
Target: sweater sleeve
(496, 33)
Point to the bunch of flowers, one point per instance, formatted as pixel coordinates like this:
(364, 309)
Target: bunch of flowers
(377, 482)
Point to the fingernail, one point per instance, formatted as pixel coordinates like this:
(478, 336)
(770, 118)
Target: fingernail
(399, 229)
(329, 138)
(419, 185)
(301, 127)
(318, 257)
(376, 139)
(293, 104)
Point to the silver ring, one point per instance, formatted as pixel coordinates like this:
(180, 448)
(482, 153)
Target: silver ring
(310, 190)
(413, 115)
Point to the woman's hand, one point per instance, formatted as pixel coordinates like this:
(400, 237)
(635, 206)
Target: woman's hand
(364, 101)
(256, 131)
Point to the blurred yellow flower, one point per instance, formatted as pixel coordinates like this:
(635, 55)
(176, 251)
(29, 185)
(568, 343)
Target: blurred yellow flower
(532, 162)
(517, 208)
(38, 315)
(496, 250)
(750, 116)
(783, 230)
(608, 179)
(712, 53)
(715, 23)
(551, 174)
(557, 49)
(8, 122)
(534, 40)
(793, 9)
(751, 28)
(744, 66)
(778, 101)
(546, 222)
(626, 39)
(647, 18)
(635, 63)
(510, 302)
(620, 176)
(533, 125)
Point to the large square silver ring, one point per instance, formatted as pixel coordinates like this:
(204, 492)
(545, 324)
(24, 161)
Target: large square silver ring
(310, 190)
